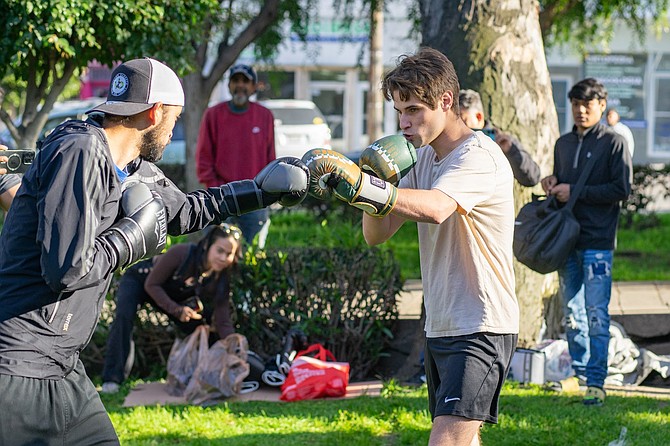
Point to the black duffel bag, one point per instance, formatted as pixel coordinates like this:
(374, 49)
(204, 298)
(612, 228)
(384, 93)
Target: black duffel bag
(544, 234)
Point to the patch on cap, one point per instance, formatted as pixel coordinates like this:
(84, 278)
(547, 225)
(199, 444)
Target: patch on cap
(119, 85)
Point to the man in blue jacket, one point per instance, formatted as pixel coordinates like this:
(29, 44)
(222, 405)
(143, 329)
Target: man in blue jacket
(586, 278)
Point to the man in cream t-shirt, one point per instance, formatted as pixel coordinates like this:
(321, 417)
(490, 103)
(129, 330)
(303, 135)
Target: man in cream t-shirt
(466, 261)
(460, 193)
(458, 187)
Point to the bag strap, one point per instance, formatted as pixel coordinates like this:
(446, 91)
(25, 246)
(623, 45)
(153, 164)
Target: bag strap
(574, 193)
(317, 351)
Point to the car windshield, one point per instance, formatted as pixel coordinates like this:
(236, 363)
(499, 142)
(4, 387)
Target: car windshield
(297, 116)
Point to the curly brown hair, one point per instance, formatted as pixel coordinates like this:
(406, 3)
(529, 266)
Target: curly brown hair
(428, 74)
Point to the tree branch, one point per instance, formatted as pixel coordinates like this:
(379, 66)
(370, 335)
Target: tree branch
(227, 55)
(550, 10)
(228, 23)
(11, 127)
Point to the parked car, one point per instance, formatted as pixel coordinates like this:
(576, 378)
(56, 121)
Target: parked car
(62, 111)
(299, 127)
(76, 109)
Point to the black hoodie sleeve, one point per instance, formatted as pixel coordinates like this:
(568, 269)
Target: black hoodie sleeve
(74, 185)
(526, 171)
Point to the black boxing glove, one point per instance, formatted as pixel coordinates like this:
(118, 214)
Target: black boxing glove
(142, 231)
(284, 180)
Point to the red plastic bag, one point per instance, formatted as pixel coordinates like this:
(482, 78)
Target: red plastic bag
(315, 377)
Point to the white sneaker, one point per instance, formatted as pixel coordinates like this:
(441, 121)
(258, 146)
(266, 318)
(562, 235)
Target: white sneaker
(109, 387)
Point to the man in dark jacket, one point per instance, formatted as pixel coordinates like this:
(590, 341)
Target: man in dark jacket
(525, 169)
(586, 278)
(93, 202)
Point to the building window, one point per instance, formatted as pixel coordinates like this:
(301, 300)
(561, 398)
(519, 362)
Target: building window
(559, 88)
(662, 115)
(659, 107)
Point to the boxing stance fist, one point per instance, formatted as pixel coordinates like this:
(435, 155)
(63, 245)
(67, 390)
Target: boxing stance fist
(142, 231)
(388, 158)
(333, 173)
(284, 180)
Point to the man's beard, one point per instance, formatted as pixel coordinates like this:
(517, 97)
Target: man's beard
(150, 148)
(240, 98)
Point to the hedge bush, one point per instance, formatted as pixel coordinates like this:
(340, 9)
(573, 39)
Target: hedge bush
(650, 182)
(342, 297)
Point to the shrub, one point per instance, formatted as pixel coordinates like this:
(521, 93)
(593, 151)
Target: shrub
(649, 182)
(341, 295)
(344, 298)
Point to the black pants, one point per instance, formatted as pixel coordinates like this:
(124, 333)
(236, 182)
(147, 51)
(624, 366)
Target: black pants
(46, 412)
(129, 297)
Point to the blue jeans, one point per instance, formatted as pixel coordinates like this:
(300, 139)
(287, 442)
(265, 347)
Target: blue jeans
(586, 286)
(251, 224)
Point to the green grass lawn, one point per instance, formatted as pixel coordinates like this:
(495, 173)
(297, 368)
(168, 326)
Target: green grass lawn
(641, 254)
(529, 416)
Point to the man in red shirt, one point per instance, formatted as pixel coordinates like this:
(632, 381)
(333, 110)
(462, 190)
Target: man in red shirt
(235, 142)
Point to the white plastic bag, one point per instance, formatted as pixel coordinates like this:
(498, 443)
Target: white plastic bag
(558, 364)
(184, 358)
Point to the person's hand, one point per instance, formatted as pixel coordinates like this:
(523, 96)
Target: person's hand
(188, 313)
(3, 159)
(332, 173)
(548, 183)
(504, 140)
(562, 192)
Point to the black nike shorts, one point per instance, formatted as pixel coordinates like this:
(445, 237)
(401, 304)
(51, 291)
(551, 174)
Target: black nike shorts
(465, 374)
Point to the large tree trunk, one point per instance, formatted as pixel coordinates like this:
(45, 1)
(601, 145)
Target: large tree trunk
(196, 104)
(496, 47)
(198, 87)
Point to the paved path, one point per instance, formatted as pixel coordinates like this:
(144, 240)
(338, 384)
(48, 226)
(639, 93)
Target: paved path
(646, 391)
(644, 306)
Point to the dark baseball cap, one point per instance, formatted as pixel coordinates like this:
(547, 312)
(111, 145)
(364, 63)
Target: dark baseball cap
(246, 70)
(138, 84)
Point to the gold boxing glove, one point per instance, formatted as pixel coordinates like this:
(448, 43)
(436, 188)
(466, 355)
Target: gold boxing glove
(333, 173)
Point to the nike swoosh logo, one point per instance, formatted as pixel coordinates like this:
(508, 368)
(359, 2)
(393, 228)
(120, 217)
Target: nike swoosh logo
(447, 399)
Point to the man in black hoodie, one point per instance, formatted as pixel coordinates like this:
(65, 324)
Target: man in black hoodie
(586, 278)
(91, 203)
